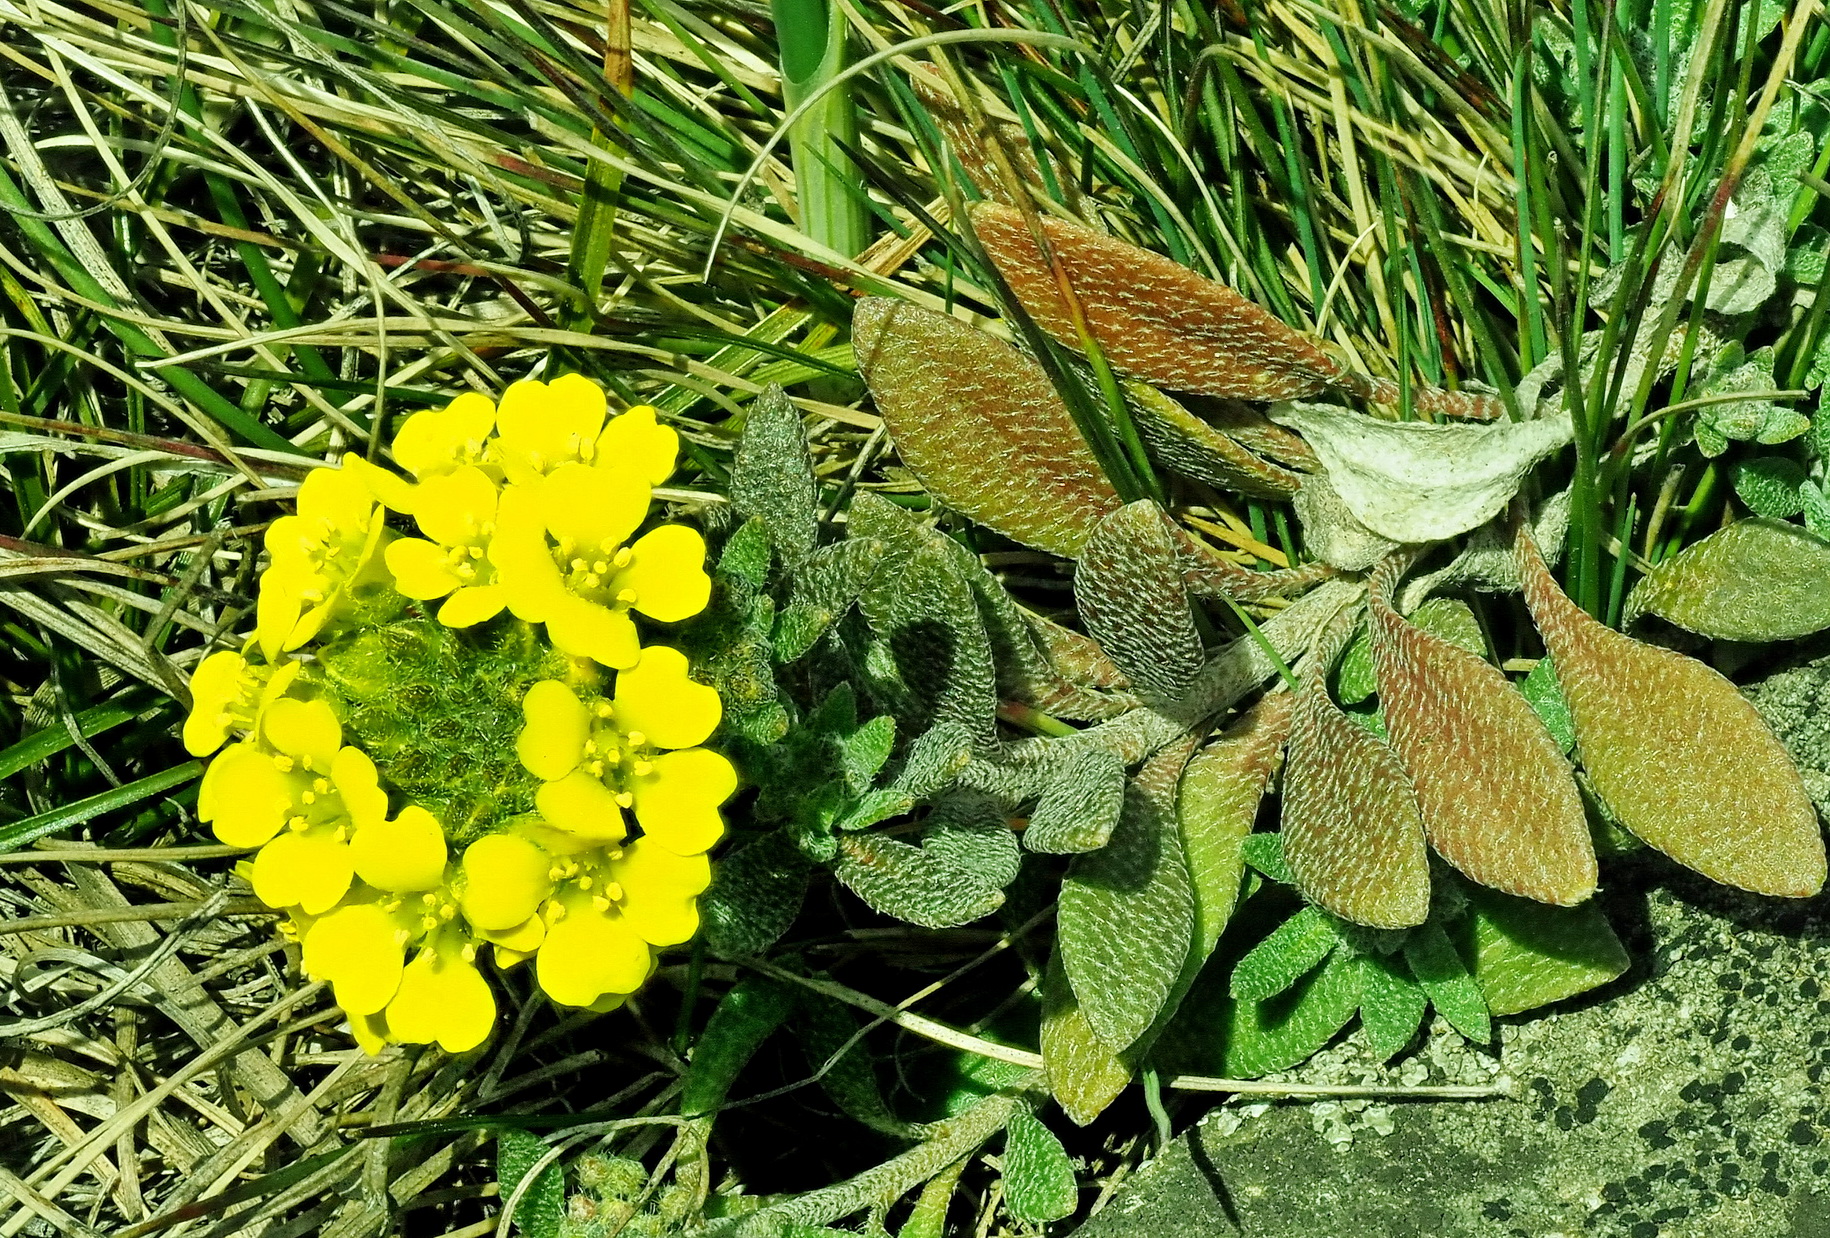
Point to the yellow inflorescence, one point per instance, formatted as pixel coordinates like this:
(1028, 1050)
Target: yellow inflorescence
(525, 509)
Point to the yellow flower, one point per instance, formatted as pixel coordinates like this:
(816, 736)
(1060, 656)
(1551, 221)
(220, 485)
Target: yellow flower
(558, 550)
(457, 513)
(429, 444)
(330, 545)
(597, 762)
(443, 998)
(228, 693)
(541, 426)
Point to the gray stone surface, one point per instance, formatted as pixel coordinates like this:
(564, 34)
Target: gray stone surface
(1687, 1099)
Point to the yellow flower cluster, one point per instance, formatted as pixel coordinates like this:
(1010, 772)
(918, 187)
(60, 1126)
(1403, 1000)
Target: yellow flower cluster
(523, 508)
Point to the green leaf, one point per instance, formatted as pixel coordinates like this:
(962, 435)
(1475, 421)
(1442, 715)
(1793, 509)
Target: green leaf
(1126, 913)
(825, 586)
(928, 1218)
(1817, 509)
(1392, 1005)
(1769, 485)
(746, 554)
(52, 740)
(935, 760)
(753, 1008)
(863, 752)
(1447, 981)
(1527, 954)
(1291, 952)
(872, 807)
(1450, 618)
(1262, 1037)
(969, 830)
(827, 1033)
(1039, 1183)
(913, 884)
(772, 475)
(1354, 680)
(542, 1206)
(1080, 806)
(1085, 1074)
(755, 894)
(1756, 580)
(28, 830)
(1546, 697)
(1129, 591)
(1265, 852)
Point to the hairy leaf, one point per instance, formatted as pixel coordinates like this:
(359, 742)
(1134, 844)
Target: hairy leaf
(1216, 805)
(1084, 1073)
(1498, 800)
(1412, 481)
(1331, 532)
(969, 830)
(912, 883)
(542, 1206)
(1291, 952)
(981, 426)
(1126, 913)
(1527, 955)
(825, 586)
(1265, 852)
(1771, 486)
(1152, 317)
(1676, 753)
(1039, 1182)
(772, 475)
(1128, 588)
(1080, 806)
(1183, 442)
(1277, 1034)
(753, 1008)
(1449, 618)
(1392, 1005)
(1541, 692)
(827, 1032)
(755, 894)
(1447, 981)
(1353, 837)
(1756, 580)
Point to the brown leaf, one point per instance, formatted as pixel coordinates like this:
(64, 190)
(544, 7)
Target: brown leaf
(1676, 752)
(971, 147)
(1152, 317)
(980, 425)
(1353, 835)
(1498, 799)
(1182, 441)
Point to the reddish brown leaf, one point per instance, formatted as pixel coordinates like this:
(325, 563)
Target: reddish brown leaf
(1353, 836)
(1498, 799)
(1153, 317)
(1675, 752)
(970, 147)
(980, 425)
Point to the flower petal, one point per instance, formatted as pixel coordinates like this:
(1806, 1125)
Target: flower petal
(405, 854)
(506, 878)
(433, 441)
(633, 438)
(677, 800)
(457, 507)
(588, 954)
(389, 489)
(308, 869)
(518, 551)
(356, 948)
(359, 783)
(581, 805)
(660, 891)
(656, 699)
(306, 730)
(421, 569)
(523, 939)
(472, 605)
(667, 574)
(245, 798)
(443, 998)
(277, 605)
(336, 496)
(552, 742)
(592, 511)
(586, 630)
(542, 425)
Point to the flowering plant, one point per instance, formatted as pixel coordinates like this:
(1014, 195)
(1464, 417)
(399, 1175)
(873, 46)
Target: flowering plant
(456, 740)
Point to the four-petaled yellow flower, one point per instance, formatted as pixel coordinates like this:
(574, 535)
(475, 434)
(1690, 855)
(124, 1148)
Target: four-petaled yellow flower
(526, 508)
(596, 762)
(314, 557)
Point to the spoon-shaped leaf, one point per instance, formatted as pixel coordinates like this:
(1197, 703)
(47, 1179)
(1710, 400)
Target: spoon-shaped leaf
(1756, 580)
(1498, 799)
(980, 425)
(1151, 316)
(1675, 752)
(1353, 836)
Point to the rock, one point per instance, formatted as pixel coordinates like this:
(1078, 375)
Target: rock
(1684, 1100)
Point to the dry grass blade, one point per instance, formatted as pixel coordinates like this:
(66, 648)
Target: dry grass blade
(981, 426)
(1498, 799)
(1676, 752)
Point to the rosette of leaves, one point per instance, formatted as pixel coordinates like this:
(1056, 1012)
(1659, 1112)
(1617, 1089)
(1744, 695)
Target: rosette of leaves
(1435, 813)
